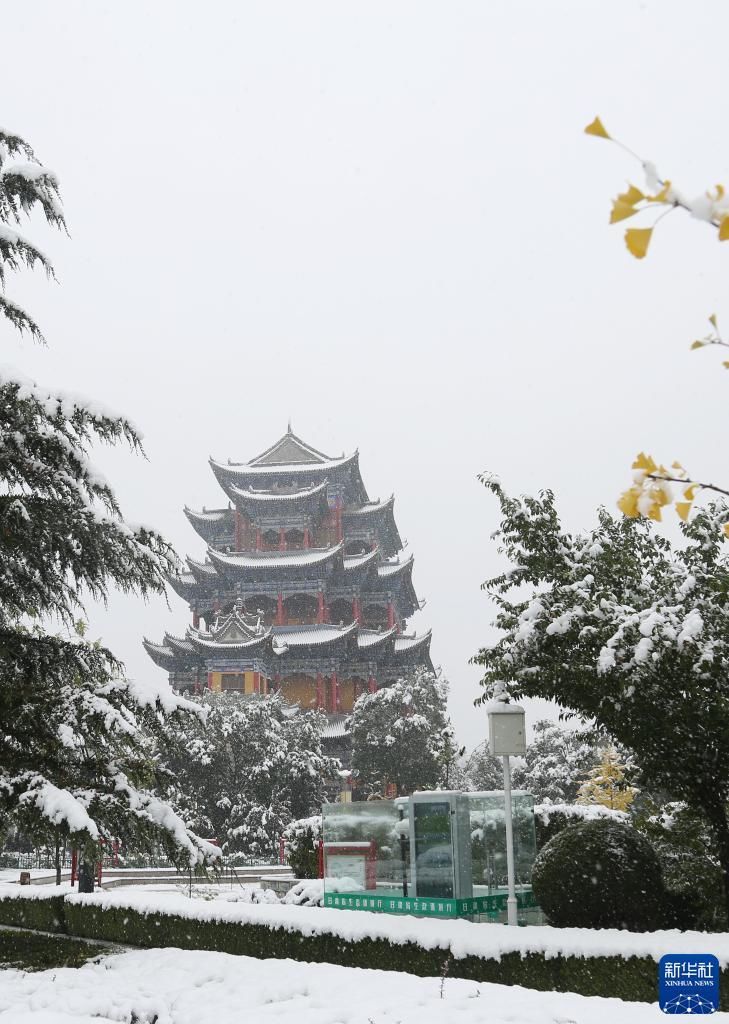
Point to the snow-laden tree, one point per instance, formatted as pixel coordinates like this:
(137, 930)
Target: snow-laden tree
(625, 630)
(402, 735)
(77, 739)
(482, 770)
(250, 770)
(556, 764)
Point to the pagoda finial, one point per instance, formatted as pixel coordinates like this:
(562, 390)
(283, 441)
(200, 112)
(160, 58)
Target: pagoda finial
(288, 429)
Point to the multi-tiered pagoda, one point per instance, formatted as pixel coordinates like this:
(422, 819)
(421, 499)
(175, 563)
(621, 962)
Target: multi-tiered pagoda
(304, 589)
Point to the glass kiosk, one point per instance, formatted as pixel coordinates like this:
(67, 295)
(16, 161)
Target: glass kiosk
(436, 854)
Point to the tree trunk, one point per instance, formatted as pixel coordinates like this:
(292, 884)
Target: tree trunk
(58, 858)
(720, 823)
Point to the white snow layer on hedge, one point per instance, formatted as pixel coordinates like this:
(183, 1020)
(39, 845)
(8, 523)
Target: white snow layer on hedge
(585, 812)
(462, 938)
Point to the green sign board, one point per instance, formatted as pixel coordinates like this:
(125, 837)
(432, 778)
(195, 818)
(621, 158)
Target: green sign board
(426, 906)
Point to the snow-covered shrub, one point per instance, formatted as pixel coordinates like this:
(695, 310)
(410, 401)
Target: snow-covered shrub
(301, 846)
(309, 893)
(599, 874)
(686, 849)
(550, 818)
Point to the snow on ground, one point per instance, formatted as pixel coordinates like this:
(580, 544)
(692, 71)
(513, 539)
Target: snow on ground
(181, 987)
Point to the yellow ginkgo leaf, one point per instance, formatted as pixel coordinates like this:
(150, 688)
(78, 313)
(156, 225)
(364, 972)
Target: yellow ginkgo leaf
(628, 503)
(690, 492)
(621, 211)
(682, 509)
(597, 128)
(724, 229)
(712, 320)
(676, 465)
(654, 512)
(726, 363)
(720, 191)
(662, 196)
(638, 240)
(726, 529)
(643, 461)
(698, 344)
(632, 196)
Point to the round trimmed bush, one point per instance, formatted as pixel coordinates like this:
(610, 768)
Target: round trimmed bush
(599, 874)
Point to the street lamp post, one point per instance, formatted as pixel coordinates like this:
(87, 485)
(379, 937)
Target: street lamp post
(507, 738)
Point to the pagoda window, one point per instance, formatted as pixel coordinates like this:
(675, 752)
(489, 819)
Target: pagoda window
(294, 540)
(342, 611)
(374, 616)
(300, 609)
(270, 540)
(235, 681)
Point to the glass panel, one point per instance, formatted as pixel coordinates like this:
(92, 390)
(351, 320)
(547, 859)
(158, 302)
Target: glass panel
(433, 849)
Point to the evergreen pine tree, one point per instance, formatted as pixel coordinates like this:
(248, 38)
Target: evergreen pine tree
(78, 756)
(555, 763)
(401, 735)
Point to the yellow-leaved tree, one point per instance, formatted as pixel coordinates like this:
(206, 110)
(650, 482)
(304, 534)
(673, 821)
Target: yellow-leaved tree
(606, 784)
(653, 483)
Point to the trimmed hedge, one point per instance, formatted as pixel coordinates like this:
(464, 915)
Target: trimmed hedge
(633, 979)
(43, 914)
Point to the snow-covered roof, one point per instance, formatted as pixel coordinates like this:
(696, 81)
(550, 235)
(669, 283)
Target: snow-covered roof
(405, 643)
(289, 449)
(367, 638)
(201, 568)
(246, 469)
(179, 644)
(268, 497)
(213, 516)
(334, 728)
(388, 569)
(286, 637)
(358, 561)
(370, 508)
(274, 559)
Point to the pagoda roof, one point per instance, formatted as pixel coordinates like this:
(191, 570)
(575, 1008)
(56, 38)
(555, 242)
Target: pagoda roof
(202, 572)
(185, 585)
(352, 564)
(271, 561)
(405, 644)
(208, 523)
(369, 638)
(257, 500)
(370, 508)
(288, 450)
(179, 645)
(233, 632)
(161, 654)
(335, 727)
(386, 570)
(286, 637)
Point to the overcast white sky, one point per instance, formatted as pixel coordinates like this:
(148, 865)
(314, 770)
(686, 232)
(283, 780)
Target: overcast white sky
(383, 220)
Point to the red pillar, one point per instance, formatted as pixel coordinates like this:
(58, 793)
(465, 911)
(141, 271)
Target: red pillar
(320, 690)
(320, 606)
(238, 532)
(258, 539)
(390, 615)
(372, 684)
(281, 540)
(279, 609)
(196, 620)
(357, 610)
(307, 537)
(338, 520)
(210, 680)
(335, 695)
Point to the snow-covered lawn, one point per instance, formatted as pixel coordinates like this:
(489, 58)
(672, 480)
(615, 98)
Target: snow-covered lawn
(183, 987)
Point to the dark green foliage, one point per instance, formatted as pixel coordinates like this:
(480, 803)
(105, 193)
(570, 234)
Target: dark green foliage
(599, 874)
(302, 850)
(632, 979)
(401, 735)
(625, 630)
(28, 951)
